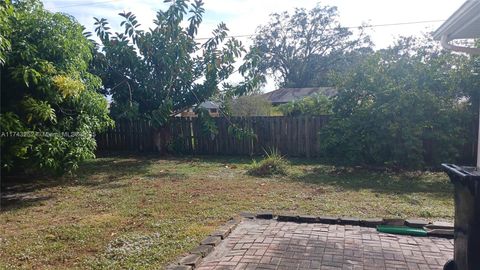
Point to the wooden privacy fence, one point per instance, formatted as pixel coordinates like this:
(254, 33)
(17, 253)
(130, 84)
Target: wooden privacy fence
(292, 136)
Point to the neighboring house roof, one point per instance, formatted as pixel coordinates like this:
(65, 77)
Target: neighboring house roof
(209, 105)
(285, 95)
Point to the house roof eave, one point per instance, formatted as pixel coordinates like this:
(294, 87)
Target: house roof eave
(462, 24)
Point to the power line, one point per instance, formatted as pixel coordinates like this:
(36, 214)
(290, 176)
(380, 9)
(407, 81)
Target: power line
(349, 27)
(234, 36)
(394, 24)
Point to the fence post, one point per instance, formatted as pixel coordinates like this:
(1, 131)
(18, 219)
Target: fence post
(307, 136)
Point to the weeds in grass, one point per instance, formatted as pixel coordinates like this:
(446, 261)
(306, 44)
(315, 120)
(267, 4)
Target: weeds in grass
(124, 246)
(272, 164)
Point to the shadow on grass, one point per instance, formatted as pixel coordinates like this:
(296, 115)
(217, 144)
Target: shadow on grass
(20, 191)
(107, 170)
(16, 201)
(381, 182)
(213, 160)
(23, 191)
(172, 176)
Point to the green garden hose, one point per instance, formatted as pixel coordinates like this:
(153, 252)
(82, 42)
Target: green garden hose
(401, 230)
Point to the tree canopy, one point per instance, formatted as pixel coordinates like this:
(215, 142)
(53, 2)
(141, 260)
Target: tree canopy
(157, 73)
(49, 107)
(302, 48)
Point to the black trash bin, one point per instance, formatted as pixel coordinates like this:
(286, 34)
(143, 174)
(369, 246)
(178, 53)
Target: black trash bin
(466, 181)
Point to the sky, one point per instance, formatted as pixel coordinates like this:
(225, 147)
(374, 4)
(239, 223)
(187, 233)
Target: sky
(244, 16)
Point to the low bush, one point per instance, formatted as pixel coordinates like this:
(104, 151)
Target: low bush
(272, 164)
(318, 104)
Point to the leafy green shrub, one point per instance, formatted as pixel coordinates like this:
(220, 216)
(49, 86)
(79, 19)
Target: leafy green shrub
(251, 105)
(272, 164)
(407, 106)
(315, 105)
(50, 107)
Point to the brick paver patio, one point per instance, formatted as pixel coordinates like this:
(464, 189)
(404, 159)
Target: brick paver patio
(268, 244)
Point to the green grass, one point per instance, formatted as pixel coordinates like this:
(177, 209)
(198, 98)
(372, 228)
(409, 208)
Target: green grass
(142, 213)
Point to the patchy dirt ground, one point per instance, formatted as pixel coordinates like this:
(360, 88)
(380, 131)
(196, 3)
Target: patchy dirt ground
(141, 213)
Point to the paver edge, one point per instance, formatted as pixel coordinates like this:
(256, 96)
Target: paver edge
(223, 231)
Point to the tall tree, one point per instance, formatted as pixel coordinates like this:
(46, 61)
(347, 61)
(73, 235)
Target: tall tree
(157, 73)
(49, 104)
(300, 49)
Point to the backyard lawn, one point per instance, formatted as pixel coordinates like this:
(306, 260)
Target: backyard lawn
(130, 212)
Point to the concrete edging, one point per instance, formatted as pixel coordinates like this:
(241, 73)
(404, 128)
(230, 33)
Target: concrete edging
(195, 256)
(437, 229)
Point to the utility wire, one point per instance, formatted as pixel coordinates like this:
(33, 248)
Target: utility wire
(349, 27)
(394, 24)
